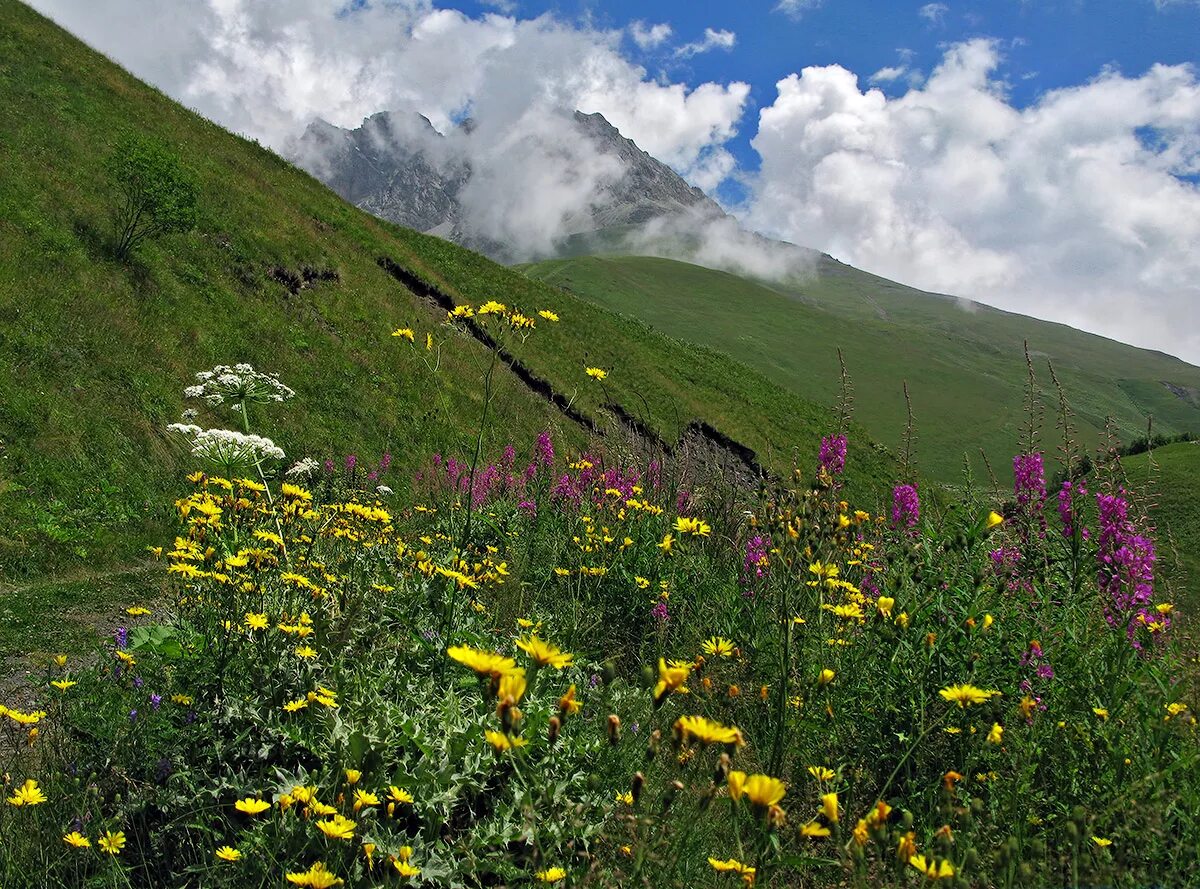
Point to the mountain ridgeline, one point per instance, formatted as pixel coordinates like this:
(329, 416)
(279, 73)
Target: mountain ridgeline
(399, 168)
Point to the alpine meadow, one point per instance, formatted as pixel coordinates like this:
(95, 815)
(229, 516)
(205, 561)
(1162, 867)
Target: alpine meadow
(335, 553)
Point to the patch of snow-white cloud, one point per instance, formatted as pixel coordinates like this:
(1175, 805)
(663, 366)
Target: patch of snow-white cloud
(649, 36)
(713, 39)
(1082, 207)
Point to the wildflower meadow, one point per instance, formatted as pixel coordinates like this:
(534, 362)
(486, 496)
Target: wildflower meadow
(533, 667)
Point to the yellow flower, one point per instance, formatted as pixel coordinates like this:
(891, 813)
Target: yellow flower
(988, 620)
(306, 652)
(567, 705)
(996, 735)
(405, 332)
(62, 684)
(137, 611)
(112, 843)
(364, 798)
(548, 315)
(228, 853)
(761, 790)
(625, 797)
(814, 829)
(732, 865)
(126, 658)
(829, 805)
(695, 527)
(885, 605)
(322, 809)
(485, 663)
(596, 373)
(339, 827)
(966, 694)
(544, 653)
(825, 676)
(706, 731)
(718, 646)
(933, 870)
(28, 794)
(353, 776)
(551, 875)
(1102, 842)
(252, 806)
(256, 621)
(501, 742)
(60, 660)
(405, 869)
(821, 773)
(316, 877)
(994, 519)
(669, 679)
(76, 839)
(907, 847)
(293, 706)
(182, 700)
(492, 307)
(1102, 712)
(397, 795)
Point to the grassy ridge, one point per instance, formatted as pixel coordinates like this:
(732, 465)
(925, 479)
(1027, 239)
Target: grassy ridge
(93, 354)
(1171, 480)
(965, 369)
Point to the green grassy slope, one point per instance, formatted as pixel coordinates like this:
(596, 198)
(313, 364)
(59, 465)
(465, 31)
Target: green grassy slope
(94, 354)
(1171, 481)
(966, 369)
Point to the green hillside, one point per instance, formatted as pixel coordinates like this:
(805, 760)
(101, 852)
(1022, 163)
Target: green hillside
(965, 366)
(280, 273)
(1171, 480)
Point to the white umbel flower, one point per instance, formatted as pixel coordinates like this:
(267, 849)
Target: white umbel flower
(228, 448)
(303, 468)
(238, 385)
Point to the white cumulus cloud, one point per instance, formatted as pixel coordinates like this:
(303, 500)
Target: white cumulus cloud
(713, 39)
(1082, 207)
(649, 36)
(795, 9)
(934, 13)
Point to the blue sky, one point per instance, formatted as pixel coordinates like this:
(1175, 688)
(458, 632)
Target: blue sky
(1042, 156)
(1045, 44)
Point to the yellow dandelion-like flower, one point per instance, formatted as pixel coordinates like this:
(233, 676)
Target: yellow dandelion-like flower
(545, 653)
(228, 853)
(718, 646)
(963, 695)
(28, 794)
(339, 827)
(551, 875)
(252, 806)
(405, 333)
(316, 877)
(596, 373)
(76, 839)
(111, 842)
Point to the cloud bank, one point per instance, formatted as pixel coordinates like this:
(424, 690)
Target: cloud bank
(1082, 207)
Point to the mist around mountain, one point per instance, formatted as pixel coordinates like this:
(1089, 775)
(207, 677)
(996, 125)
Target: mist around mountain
(591, 191)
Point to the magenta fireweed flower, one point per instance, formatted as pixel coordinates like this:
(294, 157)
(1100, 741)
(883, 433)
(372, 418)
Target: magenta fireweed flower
(509, 455)
(1029, 486)
(683, 502)
(529, 507)
(351, 462)
(1125, 560)
(659, 612)
(1067, 496)
(906, 507)
(1029, 479)
(755, 562)
(329, 465)
(832, 458)
(545, 449)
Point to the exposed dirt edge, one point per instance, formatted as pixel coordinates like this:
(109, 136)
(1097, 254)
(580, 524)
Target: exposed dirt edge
(697, 430)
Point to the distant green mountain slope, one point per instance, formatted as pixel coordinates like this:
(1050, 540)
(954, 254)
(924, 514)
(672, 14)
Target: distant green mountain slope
(1170, 478)
(963, 361)
(283, 274)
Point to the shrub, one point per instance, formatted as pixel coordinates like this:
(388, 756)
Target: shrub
(153, 193)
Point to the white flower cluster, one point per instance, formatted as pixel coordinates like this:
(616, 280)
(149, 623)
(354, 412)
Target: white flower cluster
(237, 384)
(303, 468)
(228, 448)
(384, 490)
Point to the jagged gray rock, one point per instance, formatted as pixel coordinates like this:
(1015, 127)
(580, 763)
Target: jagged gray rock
(400, 168)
